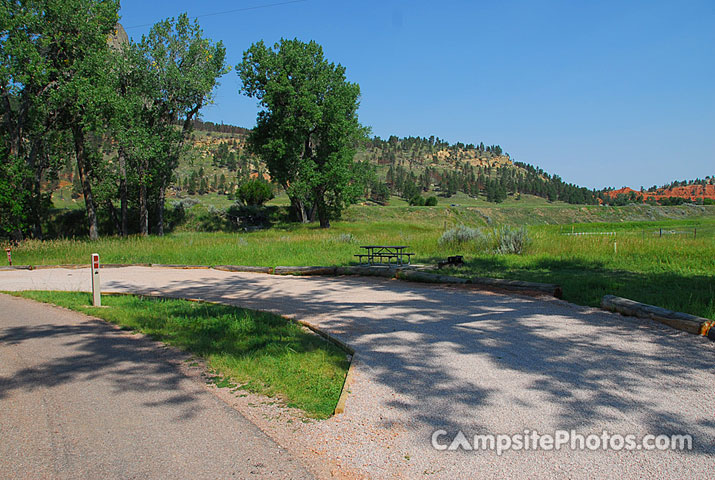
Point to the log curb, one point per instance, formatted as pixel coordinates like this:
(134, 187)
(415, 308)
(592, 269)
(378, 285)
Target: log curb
(280, 270)
(184, 267)
(400, 273)
(243, 268)
(682, 321)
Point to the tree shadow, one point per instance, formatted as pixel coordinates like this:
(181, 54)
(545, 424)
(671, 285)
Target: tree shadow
(92, 349)
(450, 355)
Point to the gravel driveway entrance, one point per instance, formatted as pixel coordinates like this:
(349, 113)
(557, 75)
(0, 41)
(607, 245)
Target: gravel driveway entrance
(454, 359)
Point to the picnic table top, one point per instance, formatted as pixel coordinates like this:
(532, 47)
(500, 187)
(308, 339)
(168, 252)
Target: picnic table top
(384, 246)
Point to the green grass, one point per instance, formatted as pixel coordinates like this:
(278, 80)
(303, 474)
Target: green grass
(62, 198)
(262, 352)
(673, 271)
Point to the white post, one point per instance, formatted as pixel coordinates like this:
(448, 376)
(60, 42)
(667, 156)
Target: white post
(96, 294)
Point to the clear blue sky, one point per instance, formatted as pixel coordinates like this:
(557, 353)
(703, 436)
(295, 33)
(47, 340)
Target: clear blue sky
(602, 93)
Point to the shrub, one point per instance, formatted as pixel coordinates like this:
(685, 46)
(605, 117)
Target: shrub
(461, 235)
(185, 203)
(345, 238)
(417, 201)
(431, 201)
(508, 239)
(245, 216)
(255, 192)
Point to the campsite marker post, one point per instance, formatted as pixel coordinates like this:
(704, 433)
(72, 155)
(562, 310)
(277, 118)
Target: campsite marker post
(96, 294)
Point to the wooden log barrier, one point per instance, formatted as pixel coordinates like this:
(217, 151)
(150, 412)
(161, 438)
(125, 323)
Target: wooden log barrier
(682, 321)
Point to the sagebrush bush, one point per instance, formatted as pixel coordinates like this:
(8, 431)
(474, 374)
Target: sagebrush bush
(508, 239)
(345, 238)
(186, 203)
(463, 236)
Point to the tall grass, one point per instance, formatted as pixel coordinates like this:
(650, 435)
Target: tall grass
(675, 272)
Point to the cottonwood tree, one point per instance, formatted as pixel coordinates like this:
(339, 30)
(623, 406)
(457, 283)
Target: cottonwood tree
(160, 85)
(308, 127)
(64, 89)
(179, 70)
(79, 53)
(53, 55)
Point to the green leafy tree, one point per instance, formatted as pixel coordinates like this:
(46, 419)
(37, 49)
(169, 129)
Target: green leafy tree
(308, 127)
(53, 59)
(380, 193)
(180, 69)
(410, 190)
(255, 192)
(82, 29)
(15, 203)
(417, 201)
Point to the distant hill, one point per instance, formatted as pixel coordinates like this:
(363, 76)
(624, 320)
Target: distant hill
(698, 190)
(411, 167)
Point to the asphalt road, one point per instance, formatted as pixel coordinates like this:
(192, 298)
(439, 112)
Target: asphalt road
(435, 358)
(80, 399)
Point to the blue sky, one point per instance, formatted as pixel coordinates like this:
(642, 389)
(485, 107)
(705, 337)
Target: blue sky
(601, 93)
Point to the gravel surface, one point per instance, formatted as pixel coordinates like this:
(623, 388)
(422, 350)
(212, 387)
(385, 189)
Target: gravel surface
(82, 399)
(459, 359)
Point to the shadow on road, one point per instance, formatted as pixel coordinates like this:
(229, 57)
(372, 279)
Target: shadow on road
(92, 350)
(439, 348)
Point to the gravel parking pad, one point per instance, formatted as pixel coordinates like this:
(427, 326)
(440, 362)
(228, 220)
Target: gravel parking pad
(458, 359)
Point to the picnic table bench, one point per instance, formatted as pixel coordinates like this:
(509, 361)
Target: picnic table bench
(385, 255)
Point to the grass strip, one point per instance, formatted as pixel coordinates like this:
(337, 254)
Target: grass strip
(261, 352)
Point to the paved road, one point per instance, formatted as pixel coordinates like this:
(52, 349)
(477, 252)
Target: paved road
(80, 399)
(456, 359)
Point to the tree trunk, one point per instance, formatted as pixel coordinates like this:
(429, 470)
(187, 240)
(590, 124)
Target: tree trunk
(17, 236)
(313, 212)
(115, 218)
(160, 212)
(36, 191)
(124, 226)
(143, 211)
(323, 215)
(143, 207)
(300, 211)
(83, 169)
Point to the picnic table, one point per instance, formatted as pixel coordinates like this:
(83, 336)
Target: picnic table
(385, 255)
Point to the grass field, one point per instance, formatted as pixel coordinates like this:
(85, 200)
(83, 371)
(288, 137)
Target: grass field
(257, 351)
(675, 270)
